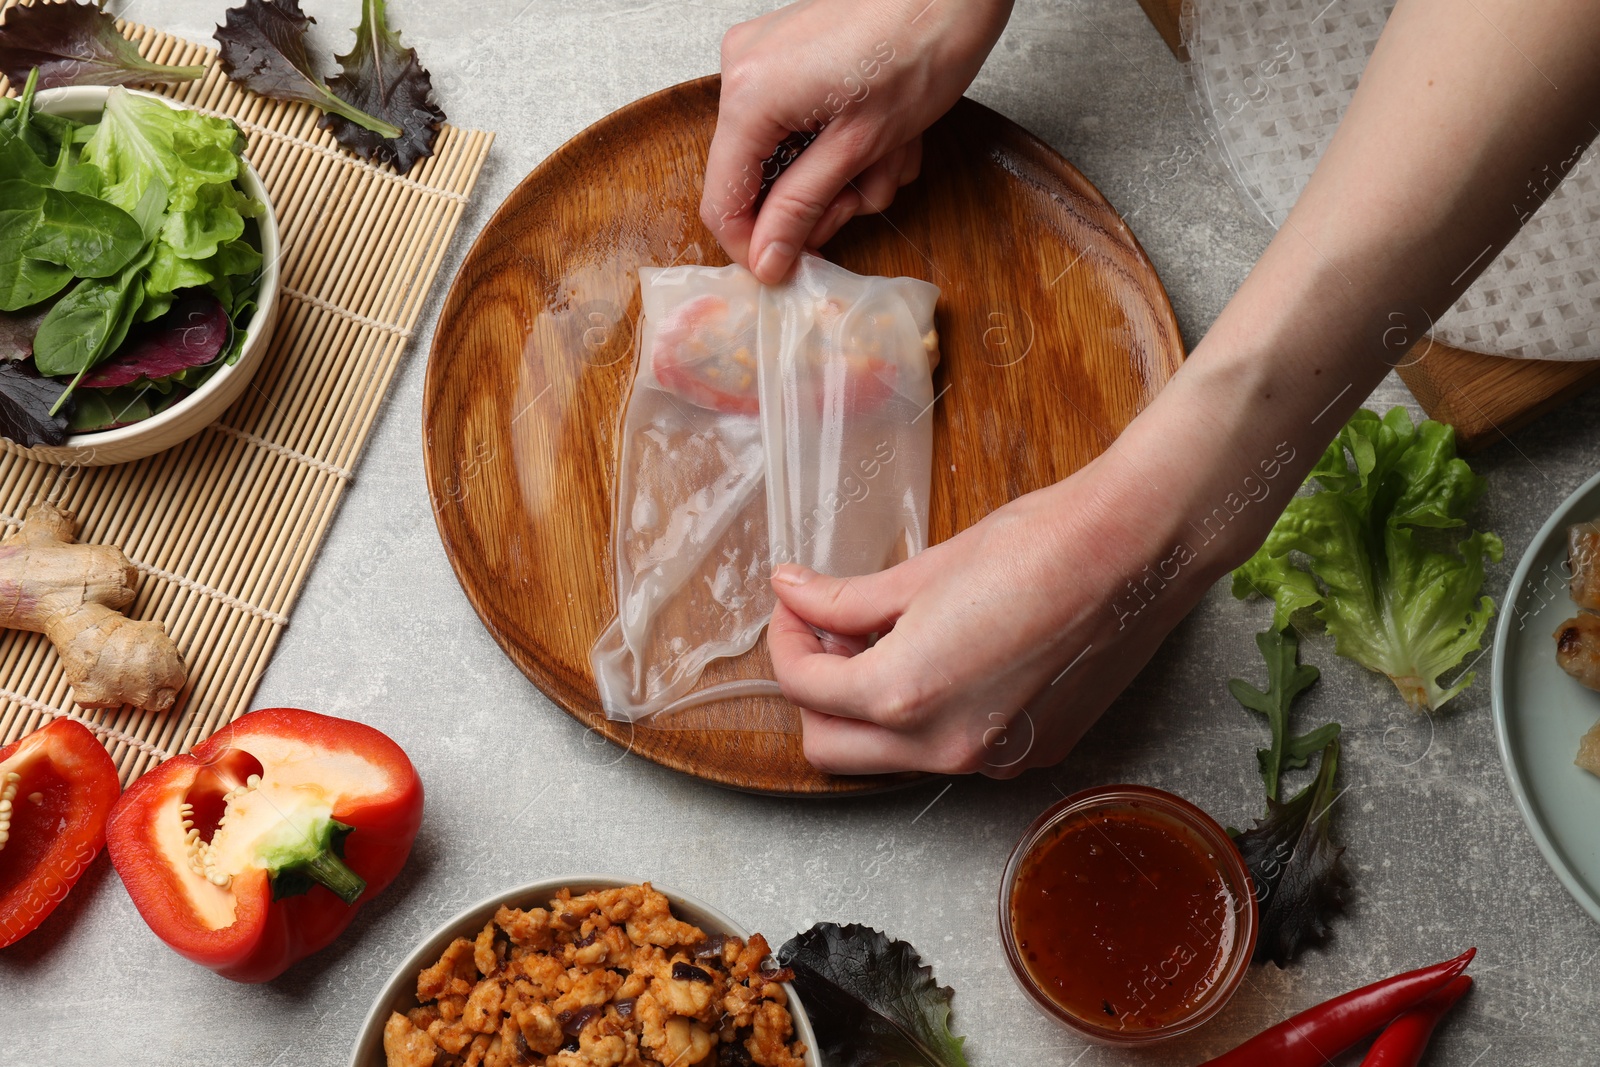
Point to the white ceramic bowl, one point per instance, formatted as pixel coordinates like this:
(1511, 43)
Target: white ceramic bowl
(400, 991)
(206, 404)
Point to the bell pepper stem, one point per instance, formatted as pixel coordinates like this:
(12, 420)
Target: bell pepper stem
(332, 872)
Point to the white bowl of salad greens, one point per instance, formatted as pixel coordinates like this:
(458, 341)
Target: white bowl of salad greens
(138, 272)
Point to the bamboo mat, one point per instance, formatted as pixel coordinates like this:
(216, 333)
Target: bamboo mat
(224, 527)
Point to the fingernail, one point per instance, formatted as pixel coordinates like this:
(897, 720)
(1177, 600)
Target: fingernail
(792, 573)
(775, 259)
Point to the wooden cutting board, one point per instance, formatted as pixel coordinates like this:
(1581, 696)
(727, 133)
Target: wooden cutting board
(1055, 332)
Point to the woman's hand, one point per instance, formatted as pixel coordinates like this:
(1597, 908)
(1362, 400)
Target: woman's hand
(861, 80)
(1000, 646)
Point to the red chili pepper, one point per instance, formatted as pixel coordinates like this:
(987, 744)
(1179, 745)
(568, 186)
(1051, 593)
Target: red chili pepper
(1403, 1041)
(220, 848)
(57, 786)
(1317, 1034)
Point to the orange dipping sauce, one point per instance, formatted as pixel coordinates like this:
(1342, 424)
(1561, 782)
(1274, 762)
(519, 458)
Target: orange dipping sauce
(1128, 914)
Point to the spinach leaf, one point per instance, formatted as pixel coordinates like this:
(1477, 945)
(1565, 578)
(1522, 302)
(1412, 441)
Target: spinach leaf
(24, 280)
(48, 237)
(106, 409)
(871, 999)
(90, 236)
(89, 322)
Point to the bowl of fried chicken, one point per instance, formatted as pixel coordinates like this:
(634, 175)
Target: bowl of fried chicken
(584, 971)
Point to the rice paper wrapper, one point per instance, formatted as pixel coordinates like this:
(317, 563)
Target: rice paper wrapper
(766, 425)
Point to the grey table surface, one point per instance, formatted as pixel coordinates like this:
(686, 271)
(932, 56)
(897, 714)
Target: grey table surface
(517, 791)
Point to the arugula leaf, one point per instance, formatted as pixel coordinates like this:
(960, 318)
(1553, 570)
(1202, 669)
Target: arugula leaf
(1396, 595)
(1286, 679)
(26, 403)
(264, 49)
(383, 77)
(76, 44)
(871, 1000)
(1296, 866)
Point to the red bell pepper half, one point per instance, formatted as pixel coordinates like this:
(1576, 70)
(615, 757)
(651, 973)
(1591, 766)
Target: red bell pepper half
(256, 849)
(57, 786)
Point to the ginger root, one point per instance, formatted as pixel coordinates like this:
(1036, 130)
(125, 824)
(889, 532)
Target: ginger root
(72, 594)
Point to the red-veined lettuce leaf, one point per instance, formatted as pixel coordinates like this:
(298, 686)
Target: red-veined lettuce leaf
(871, 1000)
(76, 44)
(192, 333)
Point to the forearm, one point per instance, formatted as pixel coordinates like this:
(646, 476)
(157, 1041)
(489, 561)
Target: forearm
(1443, 153)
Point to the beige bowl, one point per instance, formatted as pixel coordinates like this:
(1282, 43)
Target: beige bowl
(400, 992)
(199, 410)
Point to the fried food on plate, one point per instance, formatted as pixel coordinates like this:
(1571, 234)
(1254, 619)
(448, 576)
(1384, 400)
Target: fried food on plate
(1578, 648)
(607, 979)
(1583, 559)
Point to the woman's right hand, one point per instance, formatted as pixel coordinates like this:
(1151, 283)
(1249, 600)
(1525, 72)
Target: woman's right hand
(863, 78)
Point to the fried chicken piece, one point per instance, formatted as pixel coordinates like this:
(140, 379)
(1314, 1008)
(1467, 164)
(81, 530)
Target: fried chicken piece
(685, 988)
(479, 1049)
(503, 1050)
(768, 1043)
(588, 990)
(652, 1024)
(652, 923)
(739, 1006)
(406, 1046)
(422, 1017)
(450, 1007)
(687, 1042)
(526, 929)
(539, 1028)
(545, 974)
(1578, 648)
(601, 947)
(482, 1012)
(1583, 560)
(451, 1036)
(454, 973)
(486, 955)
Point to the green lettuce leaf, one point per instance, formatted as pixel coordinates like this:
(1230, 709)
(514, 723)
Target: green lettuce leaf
(141, 141)
(1372, 561)
(871, 1000)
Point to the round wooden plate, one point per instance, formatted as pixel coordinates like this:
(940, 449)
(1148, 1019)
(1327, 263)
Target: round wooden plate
(1055, 332)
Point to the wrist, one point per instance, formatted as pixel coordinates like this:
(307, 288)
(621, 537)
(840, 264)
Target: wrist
(1206, 469)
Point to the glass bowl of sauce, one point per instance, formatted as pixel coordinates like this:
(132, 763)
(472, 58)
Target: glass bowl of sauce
(1127, 915)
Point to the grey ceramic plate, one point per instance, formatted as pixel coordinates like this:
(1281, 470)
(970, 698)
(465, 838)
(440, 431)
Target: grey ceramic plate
(399, 992)
(1540, 713)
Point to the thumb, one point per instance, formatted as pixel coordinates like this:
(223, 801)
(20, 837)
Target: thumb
(865, 604)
